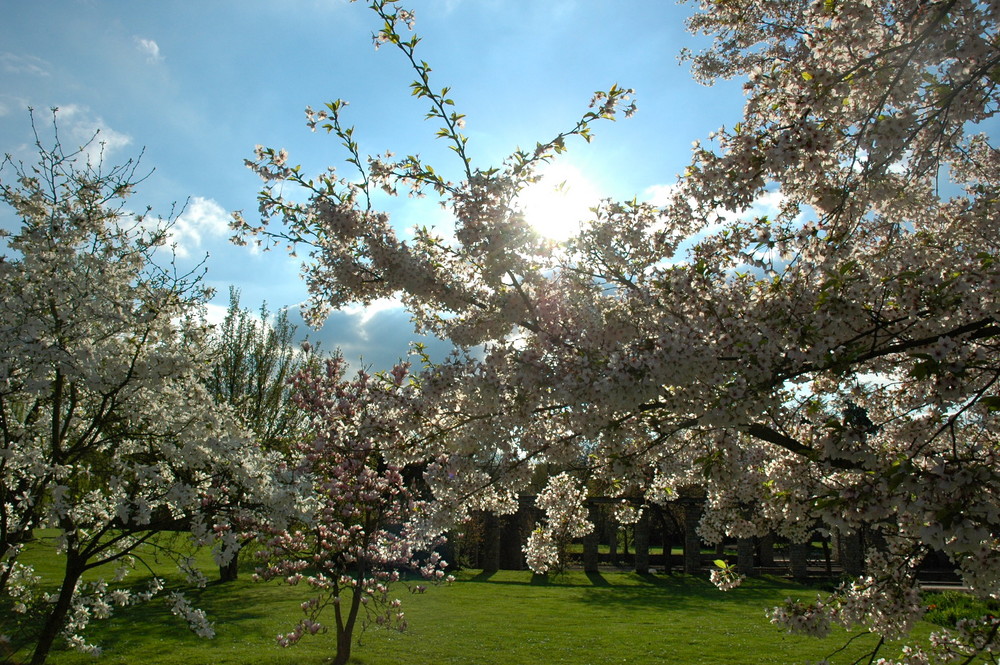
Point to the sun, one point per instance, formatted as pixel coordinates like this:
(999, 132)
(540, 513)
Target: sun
(559, 202)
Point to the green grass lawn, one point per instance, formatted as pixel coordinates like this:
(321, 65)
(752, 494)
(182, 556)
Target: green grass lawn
(509, 618)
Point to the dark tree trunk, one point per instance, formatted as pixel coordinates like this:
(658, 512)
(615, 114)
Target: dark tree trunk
(670, 529)
(57, 616)
(230, 571)
(511, 555)
(668, 548)
(345, 629)
(613, 541)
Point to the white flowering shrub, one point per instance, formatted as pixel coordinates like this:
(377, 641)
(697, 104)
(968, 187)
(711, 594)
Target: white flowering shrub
(566, 519)
(107, 434)
(836, 361)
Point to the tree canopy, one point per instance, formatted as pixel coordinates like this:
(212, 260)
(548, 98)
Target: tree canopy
(835, 363)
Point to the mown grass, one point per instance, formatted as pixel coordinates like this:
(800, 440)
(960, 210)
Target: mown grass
(510, 617)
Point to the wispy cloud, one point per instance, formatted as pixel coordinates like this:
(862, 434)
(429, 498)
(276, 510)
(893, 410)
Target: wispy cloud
(449, 5)
(202, 218)
(150, 48)
(23, 64)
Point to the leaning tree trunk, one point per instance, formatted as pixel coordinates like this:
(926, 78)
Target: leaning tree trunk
(57, 617)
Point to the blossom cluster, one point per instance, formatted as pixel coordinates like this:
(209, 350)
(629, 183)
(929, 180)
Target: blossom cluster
(195, 618)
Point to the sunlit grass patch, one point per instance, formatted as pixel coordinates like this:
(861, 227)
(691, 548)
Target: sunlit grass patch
(947, 608)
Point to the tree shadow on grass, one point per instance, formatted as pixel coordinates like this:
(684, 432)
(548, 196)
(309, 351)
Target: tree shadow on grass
(540, 579)
(682, 591)
(597, 579)
(152, 629)
(626, 590)
(484, 576)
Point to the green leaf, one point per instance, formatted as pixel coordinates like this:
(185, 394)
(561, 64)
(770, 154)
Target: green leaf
(992, 402)
(924, 369)
(721, 564)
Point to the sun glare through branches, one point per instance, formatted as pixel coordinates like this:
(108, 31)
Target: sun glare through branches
(560, 202)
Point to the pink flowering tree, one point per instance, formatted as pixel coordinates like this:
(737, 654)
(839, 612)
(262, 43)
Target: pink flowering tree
(107, 435)
(360, 504)
(834, 361)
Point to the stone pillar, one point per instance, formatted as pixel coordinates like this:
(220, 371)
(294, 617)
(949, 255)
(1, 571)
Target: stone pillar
(511, 541)
(591, 557)
(641, 542)
(491, 543)
(744, 556)
(765, 549)
(668, 545)
(613, 540)
(692, 543)
(798, 558)
(852, 553)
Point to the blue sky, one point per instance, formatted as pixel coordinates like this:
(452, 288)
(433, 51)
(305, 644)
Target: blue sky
(198, 84)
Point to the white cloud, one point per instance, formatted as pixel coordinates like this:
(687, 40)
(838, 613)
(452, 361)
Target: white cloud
(201, 218)
(660, 195)
(90, 132)
(150, 48)
(215, 314)
(23, 64)
(364, 315)
(377, 336)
